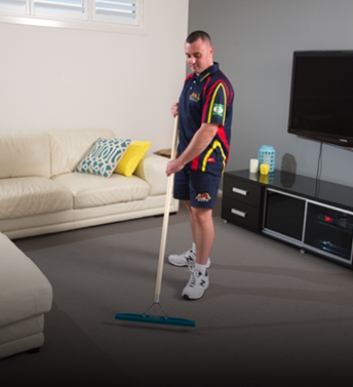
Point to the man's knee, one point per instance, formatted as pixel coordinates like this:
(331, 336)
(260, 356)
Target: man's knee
(202, 215)
(188, 205)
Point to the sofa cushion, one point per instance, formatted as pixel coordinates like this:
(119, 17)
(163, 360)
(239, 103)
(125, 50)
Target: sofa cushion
(93, 191)
(69, 147)
(152, 169)
(24, 154)
(28, 196)
(132, 157)
(103, 157)
(24, 290)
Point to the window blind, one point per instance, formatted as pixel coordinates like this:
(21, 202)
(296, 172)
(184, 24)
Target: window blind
(61, 9)
(14, 7)
(114, 12)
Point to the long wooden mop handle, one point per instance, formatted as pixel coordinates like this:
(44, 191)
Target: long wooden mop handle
(166, 217)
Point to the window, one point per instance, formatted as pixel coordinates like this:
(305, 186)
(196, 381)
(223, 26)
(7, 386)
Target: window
(82, 14)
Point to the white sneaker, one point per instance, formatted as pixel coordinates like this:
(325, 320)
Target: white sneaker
(196, 286)
(185, 259)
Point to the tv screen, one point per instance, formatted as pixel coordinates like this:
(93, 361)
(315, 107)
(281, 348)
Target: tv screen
(321, 97)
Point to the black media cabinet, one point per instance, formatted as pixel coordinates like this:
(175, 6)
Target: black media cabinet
(314, 215)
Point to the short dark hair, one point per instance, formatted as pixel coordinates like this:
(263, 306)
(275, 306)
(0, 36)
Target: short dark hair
(204, 36)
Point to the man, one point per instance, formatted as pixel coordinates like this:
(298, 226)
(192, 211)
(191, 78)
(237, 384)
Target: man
(205, 115)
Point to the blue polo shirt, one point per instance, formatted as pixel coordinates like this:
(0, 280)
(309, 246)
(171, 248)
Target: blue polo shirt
(207, 98)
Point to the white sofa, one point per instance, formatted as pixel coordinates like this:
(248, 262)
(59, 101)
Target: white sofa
(40, 192)
(25, 295)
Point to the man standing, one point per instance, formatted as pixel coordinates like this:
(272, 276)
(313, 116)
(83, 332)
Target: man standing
(205, 115)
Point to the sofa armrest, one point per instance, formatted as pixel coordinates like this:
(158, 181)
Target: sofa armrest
(152, 169)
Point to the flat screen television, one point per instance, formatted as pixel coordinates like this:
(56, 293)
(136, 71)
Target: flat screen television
(321, 96)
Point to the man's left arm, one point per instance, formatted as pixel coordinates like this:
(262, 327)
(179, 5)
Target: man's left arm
(201, 139)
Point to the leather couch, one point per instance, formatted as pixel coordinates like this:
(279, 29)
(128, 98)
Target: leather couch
(41, 192)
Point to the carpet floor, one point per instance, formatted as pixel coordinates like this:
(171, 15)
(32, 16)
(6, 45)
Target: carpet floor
(271, 316)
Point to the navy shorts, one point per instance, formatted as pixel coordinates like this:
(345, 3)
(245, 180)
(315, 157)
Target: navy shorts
(200, 188)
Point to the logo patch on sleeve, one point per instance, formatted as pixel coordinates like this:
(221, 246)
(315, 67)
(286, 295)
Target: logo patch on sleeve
(218, 110)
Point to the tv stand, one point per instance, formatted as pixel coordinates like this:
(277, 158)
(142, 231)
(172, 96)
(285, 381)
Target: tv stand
(314, 215)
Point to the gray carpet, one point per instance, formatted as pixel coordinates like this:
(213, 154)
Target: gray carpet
(271, 316)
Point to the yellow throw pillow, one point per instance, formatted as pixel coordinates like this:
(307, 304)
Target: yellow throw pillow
(132, 157)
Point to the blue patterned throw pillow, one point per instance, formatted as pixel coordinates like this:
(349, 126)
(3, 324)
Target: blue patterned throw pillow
(104, 157)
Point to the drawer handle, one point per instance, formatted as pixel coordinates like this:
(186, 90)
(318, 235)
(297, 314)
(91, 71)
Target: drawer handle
(240, 191)
(239, 213)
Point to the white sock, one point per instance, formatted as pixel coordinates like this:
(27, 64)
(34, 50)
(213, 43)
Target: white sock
(201, 268)
(194, 247)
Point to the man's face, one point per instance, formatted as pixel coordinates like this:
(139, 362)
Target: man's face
(199, 55)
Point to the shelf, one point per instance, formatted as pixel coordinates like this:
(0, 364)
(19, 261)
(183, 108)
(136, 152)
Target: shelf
(313, 215)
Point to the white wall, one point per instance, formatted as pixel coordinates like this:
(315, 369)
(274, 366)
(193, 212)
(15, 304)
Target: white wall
(60, 78)
(254, 41)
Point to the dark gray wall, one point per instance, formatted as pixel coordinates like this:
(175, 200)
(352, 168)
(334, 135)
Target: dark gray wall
(254, 41)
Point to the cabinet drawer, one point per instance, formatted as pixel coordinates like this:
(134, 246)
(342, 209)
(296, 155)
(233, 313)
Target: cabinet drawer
(241, 213)
(242, 191)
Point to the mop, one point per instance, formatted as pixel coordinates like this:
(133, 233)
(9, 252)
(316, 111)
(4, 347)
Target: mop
(161, 319)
